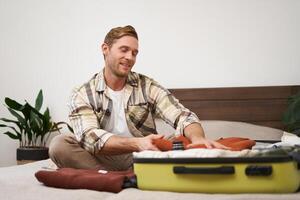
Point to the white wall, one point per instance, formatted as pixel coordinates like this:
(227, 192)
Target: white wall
(54, 45)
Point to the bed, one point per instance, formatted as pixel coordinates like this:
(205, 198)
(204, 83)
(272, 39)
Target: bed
(253, 112)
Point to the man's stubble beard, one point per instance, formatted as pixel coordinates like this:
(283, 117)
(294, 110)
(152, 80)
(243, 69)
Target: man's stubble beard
(114, 68)
(119, 74)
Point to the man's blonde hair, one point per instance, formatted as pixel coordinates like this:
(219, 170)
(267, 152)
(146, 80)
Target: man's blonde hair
(118, 32)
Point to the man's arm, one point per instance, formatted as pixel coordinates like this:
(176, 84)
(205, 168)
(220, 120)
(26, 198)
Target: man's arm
(118, 145)
(182, 119)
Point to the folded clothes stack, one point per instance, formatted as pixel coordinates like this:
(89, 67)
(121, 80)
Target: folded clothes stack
(233, 143)
(240, 147)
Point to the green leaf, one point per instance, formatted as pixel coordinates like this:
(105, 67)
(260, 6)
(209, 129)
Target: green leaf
(47, 113)
(8, 120)
(39, 100)
(29, 134)
(26, 110)
(35, 123)
(291, 117)
(13, 136)
(39, 118)
(54, 128)
(65, 123)
(13, 121)
(47, 121)
(294, 126)
(35, 111)
(13, 104)
(297, 132)
(18, 116)
(13, 128)
(24, 121)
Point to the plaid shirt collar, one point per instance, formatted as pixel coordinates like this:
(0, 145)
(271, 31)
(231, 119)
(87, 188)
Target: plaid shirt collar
(132, 80)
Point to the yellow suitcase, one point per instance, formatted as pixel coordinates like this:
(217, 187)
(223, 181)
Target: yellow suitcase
(274, 174)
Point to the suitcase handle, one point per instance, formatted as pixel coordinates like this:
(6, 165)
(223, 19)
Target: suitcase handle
(203, 170)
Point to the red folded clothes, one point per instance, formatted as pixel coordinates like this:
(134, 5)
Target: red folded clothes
(110, 181)
(234, 143)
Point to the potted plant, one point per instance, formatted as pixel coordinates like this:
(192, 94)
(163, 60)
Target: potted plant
(291, 117)
(31, 127)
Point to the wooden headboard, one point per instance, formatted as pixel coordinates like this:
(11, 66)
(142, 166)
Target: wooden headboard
(258, 105)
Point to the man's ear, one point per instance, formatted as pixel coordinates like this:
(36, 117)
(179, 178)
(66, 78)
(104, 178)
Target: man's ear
(104, 48)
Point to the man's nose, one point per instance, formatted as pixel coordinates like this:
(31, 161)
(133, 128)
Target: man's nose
(129, 55)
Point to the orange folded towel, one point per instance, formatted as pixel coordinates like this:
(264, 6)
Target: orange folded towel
(234, 143)
(112, 181)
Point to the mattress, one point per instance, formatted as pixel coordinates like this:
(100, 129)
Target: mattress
(18, 182)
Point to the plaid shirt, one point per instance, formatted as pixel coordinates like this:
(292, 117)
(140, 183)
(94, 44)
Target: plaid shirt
(90, 109)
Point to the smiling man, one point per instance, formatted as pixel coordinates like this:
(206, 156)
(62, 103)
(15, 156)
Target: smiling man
(113, 113)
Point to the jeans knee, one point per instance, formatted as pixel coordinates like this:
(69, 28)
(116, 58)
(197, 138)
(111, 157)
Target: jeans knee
(58, 146)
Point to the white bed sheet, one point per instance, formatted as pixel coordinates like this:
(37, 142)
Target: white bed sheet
(19, 183)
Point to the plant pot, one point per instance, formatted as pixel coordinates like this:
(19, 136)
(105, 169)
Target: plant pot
(31, 154)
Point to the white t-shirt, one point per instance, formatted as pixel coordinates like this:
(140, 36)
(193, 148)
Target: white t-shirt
(117, 123)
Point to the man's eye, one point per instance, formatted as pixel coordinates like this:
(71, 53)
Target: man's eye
(124, 49)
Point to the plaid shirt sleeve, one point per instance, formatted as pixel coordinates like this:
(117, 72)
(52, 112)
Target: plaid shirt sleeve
(85, 123)
(168, 108)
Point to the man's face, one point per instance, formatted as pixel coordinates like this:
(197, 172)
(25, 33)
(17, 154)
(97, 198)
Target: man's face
(121, 55)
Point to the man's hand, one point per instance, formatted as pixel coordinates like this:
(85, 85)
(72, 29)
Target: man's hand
(210, 144)
(196, 135)
(118, 145)
(146, 143)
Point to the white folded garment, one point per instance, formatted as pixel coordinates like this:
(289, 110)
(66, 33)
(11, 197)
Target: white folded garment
(195, 153)
(287, 139)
